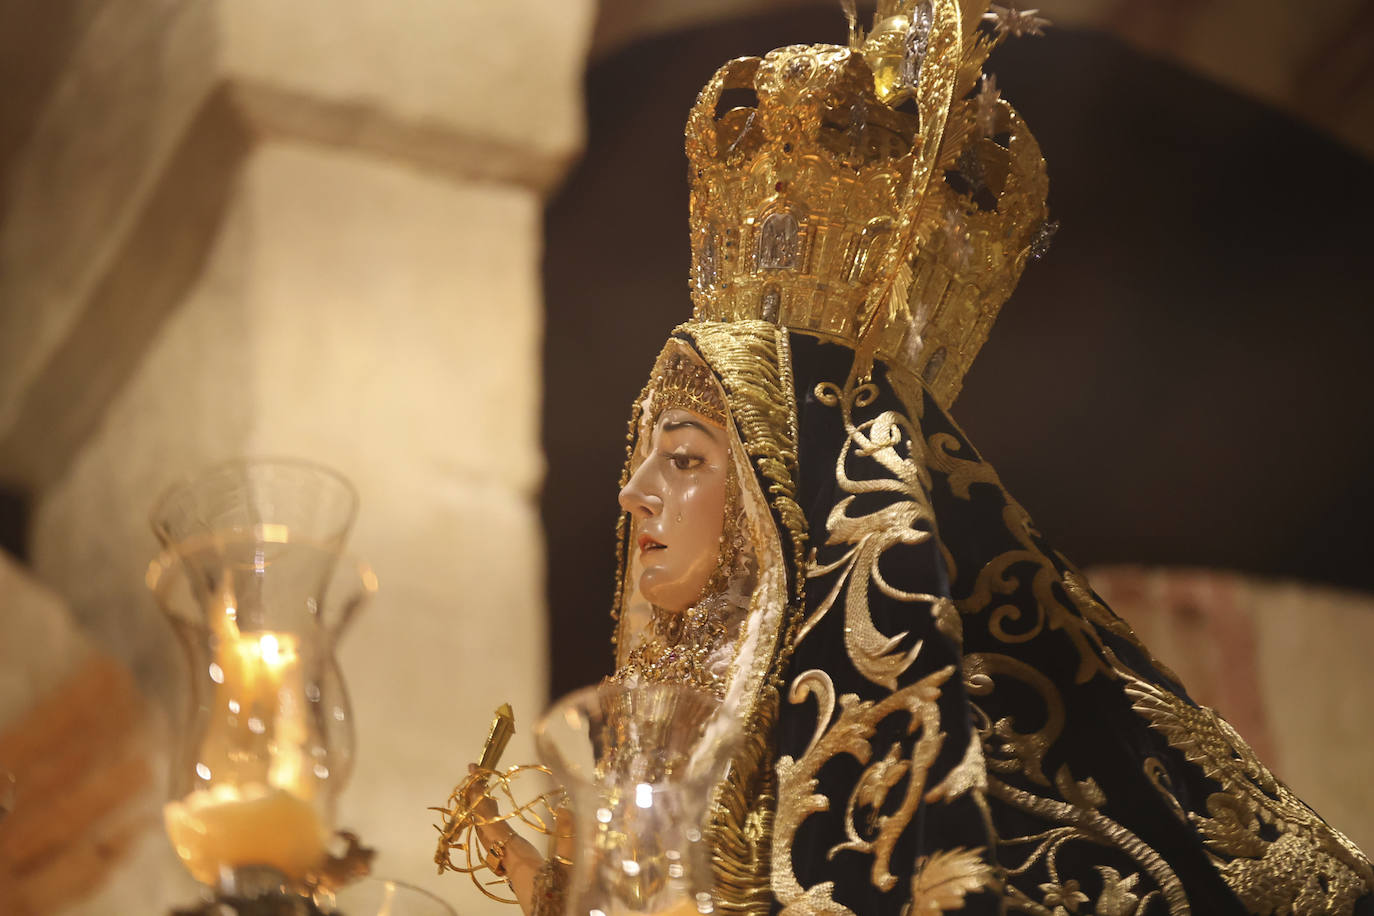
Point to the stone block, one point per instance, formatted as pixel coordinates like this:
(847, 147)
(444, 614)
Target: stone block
(93, 156)
(509, 73)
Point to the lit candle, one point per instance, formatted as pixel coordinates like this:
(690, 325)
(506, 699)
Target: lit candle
(256, 807)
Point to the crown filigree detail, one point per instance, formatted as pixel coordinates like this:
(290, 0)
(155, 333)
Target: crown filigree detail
(679, 381)
(881, 194)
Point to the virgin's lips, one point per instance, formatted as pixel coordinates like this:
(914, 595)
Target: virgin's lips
(648, 543)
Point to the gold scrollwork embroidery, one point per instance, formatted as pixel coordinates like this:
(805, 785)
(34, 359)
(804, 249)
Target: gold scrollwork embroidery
(1009, 750)
(999, 576)
(1272, 850)
(818, 684)
(1074, 816)
(943, 879)
(875, 654)
(1078, 822)
(851, 733)
(1159, 778)
(969, 774)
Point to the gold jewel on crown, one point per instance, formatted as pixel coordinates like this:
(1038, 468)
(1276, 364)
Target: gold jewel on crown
(680, 381)
(880, 194)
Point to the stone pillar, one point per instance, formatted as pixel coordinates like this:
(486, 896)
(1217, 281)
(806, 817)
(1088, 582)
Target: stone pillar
(308, 229)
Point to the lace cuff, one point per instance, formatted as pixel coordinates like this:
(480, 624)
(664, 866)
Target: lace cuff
(550, 889)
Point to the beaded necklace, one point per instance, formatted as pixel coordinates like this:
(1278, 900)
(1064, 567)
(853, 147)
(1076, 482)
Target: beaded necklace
(681, 646)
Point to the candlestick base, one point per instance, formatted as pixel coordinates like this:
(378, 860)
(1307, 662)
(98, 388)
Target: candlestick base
(261, 890)
(355, 863)
(255, 890)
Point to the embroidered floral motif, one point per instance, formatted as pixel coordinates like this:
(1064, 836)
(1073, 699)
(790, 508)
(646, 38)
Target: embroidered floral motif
(851, 733)
(907, 519)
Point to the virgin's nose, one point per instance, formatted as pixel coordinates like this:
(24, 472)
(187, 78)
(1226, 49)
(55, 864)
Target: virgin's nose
(638, 498)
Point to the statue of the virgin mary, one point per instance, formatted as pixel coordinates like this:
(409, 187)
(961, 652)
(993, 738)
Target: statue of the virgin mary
(939, 712)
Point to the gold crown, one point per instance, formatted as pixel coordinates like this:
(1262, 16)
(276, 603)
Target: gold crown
(678, 381)
(870, 194)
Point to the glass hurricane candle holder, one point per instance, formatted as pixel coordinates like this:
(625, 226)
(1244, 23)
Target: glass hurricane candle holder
(639, 765)
(252, 581)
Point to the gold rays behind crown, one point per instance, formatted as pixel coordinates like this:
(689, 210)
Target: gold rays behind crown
(868, 193)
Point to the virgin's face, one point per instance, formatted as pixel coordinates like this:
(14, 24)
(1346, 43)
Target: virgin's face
(677, 498)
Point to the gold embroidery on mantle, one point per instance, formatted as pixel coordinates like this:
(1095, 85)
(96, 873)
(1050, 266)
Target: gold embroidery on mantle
(1159, 778)
(852, 733)
(815, 683)
(1272, 850)
(875, 654)
(1075, 815)
(944, 878)
(890, 442)
(970, 775)
(1008, 750)
(1079, 618)
(1083, 822)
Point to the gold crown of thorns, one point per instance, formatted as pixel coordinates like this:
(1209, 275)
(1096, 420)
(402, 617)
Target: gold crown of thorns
(460, 834)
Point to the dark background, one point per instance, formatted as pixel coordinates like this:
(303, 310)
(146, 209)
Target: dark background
(1183, 379)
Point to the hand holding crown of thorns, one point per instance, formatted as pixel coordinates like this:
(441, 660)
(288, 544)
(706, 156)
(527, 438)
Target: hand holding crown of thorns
(477, 835)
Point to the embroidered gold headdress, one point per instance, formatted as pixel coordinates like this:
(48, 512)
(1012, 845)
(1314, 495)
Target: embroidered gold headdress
(679, 381)
(868, 193)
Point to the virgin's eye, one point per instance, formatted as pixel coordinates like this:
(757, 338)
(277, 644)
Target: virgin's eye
(684, 461)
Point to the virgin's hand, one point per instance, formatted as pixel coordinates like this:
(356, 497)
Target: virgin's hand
(482, 808)
(516, 856)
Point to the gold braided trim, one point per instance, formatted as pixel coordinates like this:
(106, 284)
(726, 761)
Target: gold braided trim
(753, 361)
(741, 827)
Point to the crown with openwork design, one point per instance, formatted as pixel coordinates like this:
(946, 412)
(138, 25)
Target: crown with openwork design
(880, 194)
(679, 381)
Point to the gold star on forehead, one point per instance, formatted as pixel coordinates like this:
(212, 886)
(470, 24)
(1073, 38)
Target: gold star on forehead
(1008, 20)
(681, 382)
